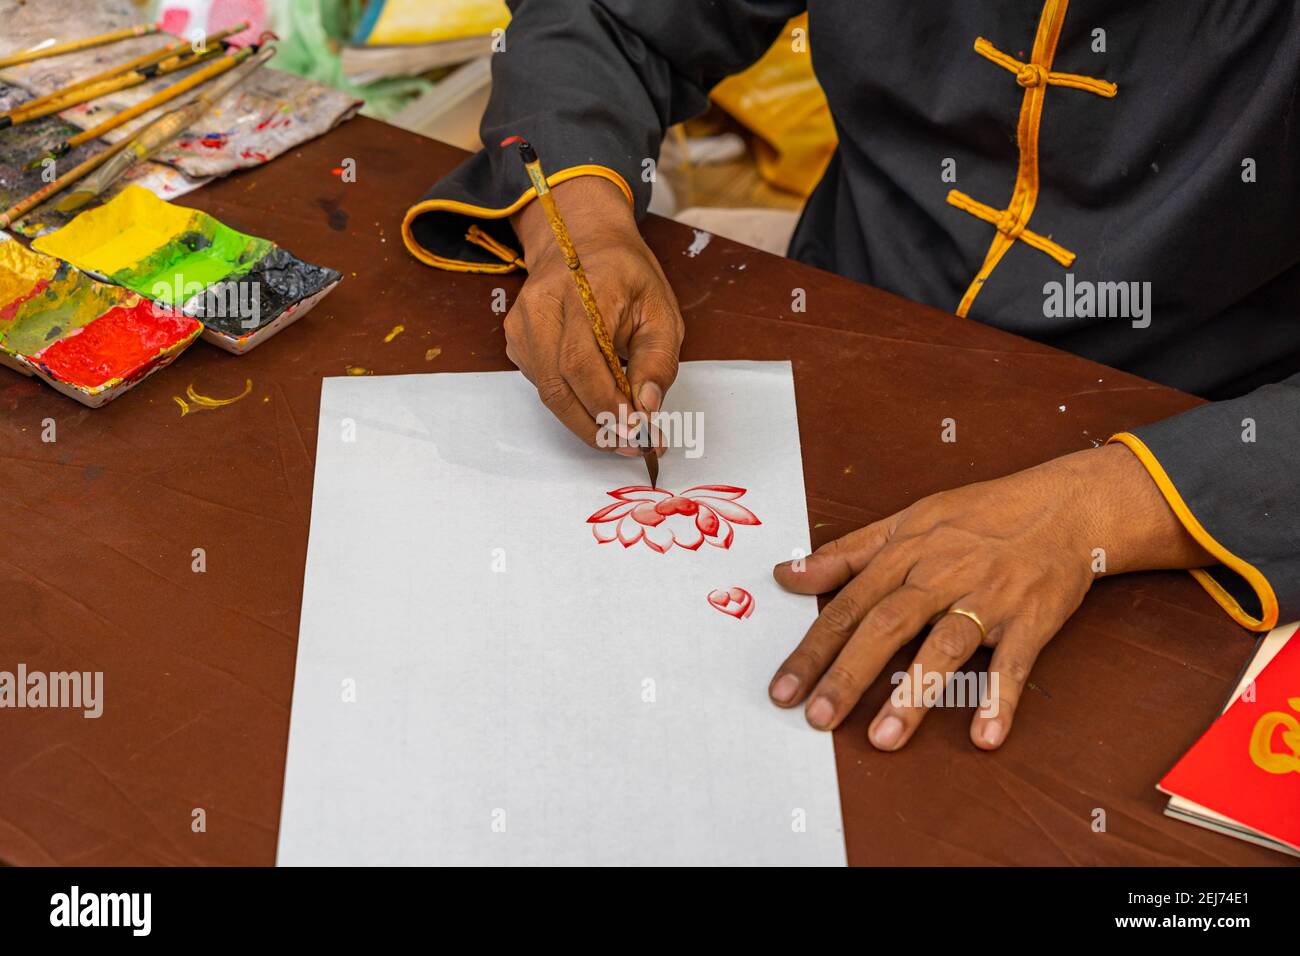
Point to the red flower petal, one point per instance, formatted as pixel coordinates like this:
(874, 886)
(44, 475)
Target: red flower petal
(716, 491)
(645, 514)
(639, 493)
(661, 539)
(607, 513)
(724, 541)
(707, 521)
(629, 532)
(738, 514)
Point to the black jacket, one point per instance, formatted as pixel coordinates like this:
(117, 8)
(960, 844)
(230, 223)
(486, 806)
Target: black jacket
(1109, 156)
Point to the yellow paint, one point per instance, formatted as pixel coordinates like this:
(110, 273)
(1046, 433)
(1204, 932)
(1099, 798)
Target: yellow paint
(358, 370)
(122, 233)
(432, 354)
(396, 331)
(21, 270)
(199, 403)
(1261, 741)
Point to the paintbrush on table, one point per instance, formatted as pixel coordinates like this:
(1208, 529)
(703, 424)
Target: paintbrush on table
(143, 63)
(179, 88)
(24, 206)
(148, 141)
(534, 167)
(77, 93)
(160, 132)
(41, 51)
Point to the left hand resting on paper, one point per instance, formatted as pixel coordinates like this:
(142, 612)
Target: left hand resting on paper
(1018, 552)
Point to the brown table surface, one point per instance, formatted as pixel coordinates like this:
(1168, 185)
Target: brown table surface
(95, 557)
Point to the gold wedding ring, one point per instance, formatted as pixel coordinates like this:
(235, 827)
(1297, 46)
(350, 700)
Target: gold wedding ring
(972, 616)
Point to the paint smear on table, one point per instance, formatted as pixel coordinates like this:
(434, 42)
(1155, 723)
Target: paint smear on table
(197, 402)
(234, 283)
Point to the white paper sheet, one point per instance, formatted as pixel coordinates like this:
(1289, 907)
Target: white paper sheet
(480, 681)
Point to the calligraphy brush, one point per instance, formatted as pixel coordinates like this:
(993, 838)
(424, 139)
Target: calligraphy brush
(147, 63)
(534, 167)
(85, 43)
(199, 77)
(124, 81)
(140, 146)
(20, 209)
(161, 132)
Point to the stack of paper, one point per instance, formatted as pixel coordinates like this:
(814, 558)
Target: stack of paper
(1242, 778)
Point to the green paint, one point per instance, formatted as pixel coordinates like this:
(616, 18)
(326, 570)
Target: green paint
(208, 253)
(71, 301)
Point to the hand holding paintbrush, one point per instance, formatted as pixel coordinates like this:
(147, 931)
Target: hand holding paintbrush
(573, 388)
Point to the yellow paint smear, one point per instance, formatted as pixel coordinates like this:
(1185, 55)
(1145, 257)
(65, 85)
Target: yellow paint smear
(358, 370)
(201, 403)
(432, 354)
(397, 330)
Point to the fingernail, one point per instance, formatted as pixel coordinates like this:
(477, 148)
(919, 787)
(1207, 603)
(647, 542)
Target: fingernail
(820, 712)
(651, 397)
(784, 689)
(992, 732)
(888, 733)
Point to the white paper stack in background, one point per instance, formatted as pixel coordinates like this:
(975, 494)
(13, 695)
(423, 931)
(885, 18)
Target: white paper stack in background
(480, 681)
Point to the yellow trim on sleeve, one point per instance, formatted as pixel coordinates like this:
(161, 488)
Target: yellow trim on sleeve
(1257, 581)
(484, 212)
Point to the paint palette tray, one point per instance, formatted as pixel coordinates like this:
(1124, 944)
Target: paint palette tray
(243, 289)
(87, 339)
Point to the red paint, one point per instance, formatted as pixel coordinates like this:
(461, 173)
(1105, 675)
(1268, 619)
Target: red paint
(662, 519)
(271, 122)
(10, 309)
(736, 602)
(255, 155)
(123, 343)
(511, 140)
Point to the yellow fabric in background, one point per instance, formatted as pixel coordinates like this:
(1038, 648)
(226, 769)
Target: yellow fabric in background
(780, 101)
(432, 21)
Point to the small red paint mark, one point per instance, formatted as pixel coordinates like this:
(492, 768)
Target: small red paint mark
(511, 140)
(736, 602)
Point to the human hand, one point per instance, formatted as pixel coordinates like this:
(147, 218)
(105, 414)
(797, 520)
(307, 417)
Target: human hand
(548, 334)
(1018, 552)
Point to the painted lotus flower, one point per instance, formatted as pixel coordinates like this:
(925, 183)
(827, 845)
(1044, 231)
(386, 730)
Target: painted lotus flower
(662, 519)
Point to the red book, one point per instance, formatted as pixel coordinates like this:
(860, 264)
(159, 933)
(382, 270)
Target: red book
(1245, 770)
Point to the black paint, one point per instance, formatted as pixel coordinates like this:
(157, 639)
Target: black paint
(281, 280)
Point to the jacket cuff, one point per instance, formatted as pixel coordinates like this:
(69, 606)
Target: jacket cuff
(463, 223)
(1236, 584)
